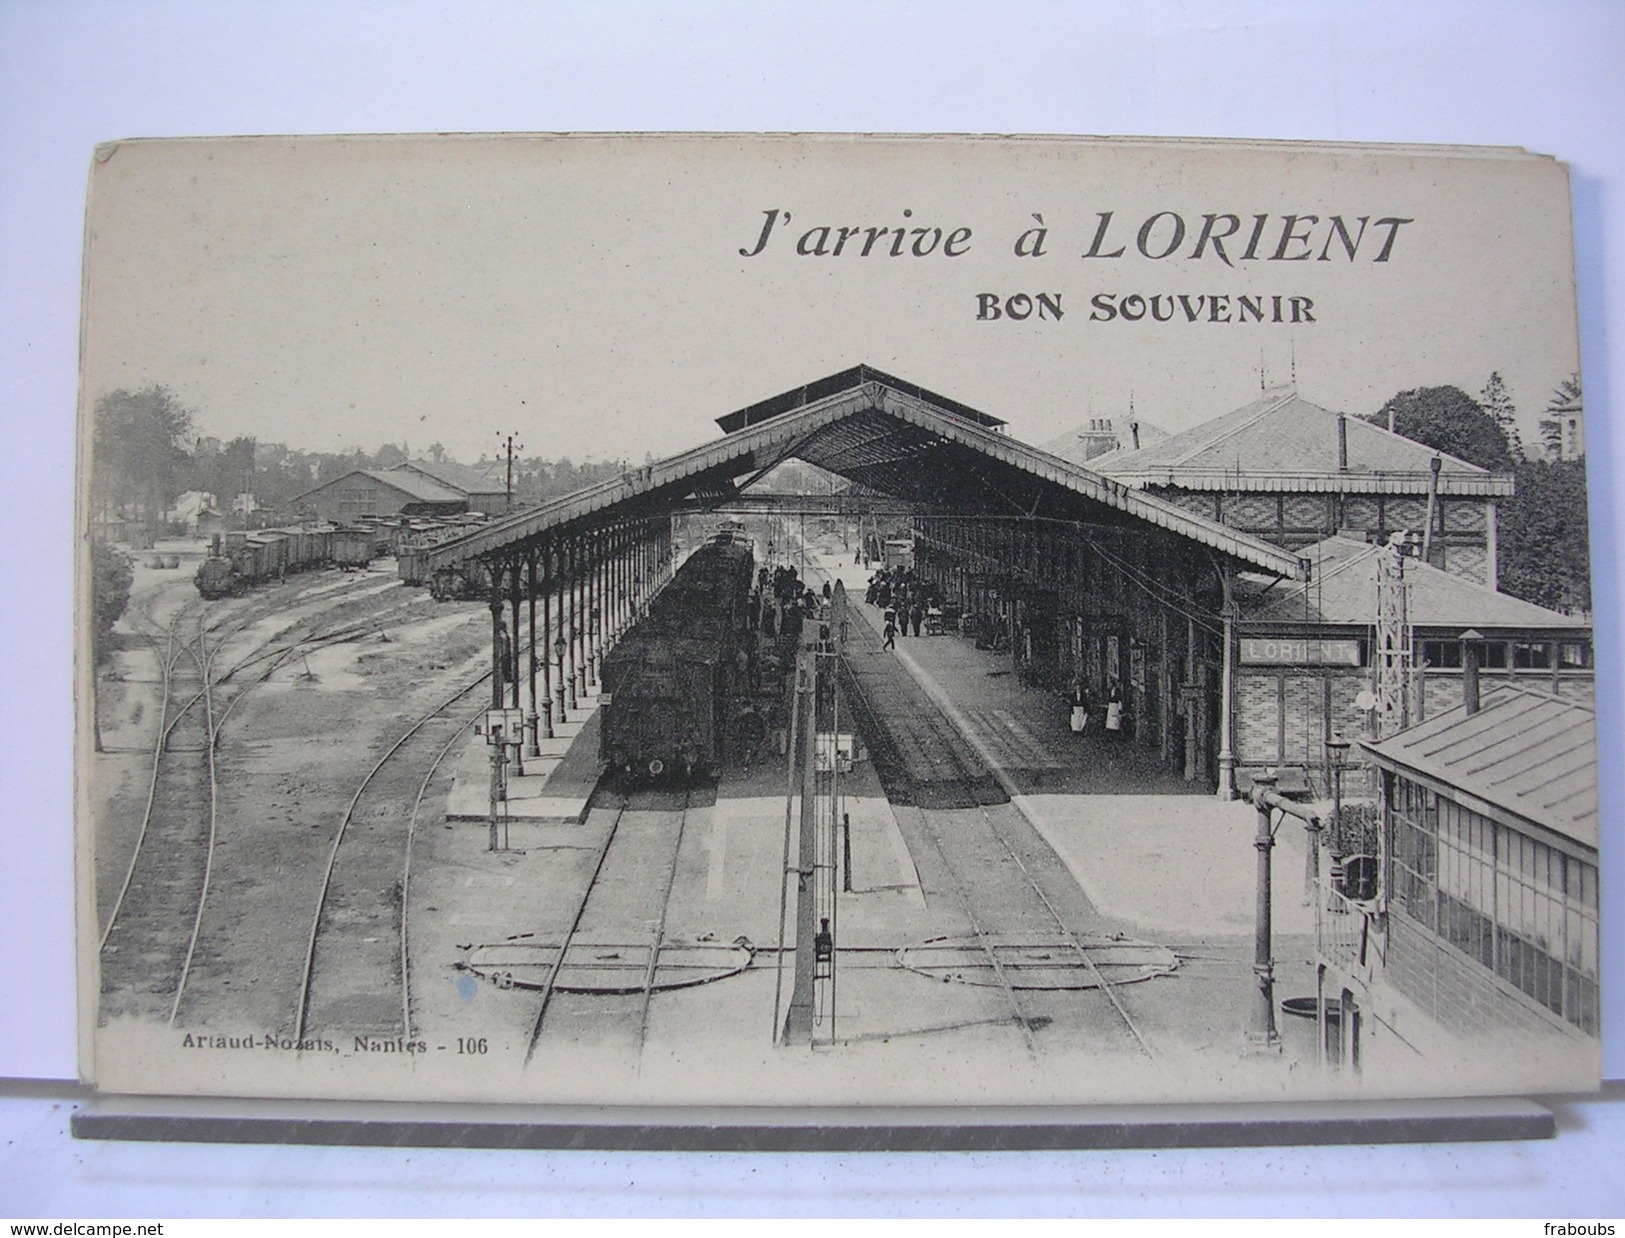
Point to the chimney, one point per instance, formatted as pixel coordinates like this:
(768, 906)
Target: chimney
(1342, 442)
(1469, 670)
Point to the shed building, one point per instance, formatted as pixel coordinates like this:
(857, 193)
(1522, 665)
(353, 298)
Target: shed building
(482, 492)
(379, 492)
(1485, 923)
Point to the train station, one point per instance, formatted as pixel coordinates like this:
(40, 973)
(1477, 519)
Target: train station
(863, 730)
(1112, 648)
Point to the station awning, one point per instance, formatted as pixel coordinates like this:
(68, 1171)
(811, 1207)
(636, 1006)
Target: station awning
(892, 438)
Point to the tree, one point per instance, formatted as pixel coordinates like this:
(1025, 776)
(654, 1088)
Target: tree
(110, 580)
(139, 449)
(1543, 537)
(1447, 419)
(1566, 401)
(1497, 402)
(389, 455)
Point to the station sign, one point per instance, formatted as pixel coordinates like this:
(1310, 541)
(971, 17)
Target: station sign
(1297, 651)
(502, 726)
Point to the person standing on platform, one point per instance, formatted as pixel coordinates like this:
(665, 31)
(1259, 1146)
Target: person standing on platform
(1114, 712)
(890, 632)
(1080, 710)
(916, 615)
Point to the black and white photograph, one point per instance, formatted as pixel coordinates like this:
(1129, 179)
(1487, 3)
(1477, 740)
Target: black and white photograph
(833, 620)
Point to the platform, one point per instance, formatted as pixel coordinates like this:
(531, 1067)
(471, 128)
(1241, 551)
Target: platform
(1146, 847)
(555, 787)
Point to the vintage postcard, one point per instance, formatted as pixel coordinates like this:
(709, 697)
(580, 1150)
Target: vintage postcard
(819, 620)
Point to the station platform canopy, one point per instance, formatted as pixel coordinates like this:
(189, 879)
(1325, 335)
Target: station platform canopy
(888, 437)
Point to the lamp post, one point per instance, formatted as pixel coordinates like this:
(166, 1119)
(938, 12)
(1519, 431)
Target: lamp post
(592, 647)
(1337, 758)
(559, 647)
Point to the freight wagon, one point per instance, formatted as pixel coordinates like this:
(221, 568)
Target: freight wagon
(241, 560)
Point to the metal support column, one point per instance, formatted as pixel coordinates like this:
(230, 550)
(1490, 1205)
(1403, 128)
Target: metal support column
(514, 587)
(572, 567)
(532, 719)
(561, 642)
(549, 574)
(497, 637)
(798, 1021)
(595, 605)
(581, 572)
(1227, 696)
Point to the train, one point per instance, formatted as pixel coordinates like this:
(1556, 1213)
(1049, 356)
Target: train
(668, 683)
(238, 560)
(416, 537)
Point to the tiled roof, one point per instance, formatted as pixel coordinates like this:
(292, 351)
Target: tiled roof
(456, 476)
(418, 487)
(1343, 589)
(1528, 752)
(1283, 442)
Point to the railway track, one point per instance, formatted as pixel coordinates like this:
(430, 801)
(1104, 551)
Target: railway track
(1001, 895)
(355, 979)
(151, 929)
(617, 929)
(150, 932)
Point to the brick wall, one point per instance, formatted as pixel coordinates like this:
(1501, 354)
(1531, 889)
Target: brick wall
(1267, 697)
(1256, 718)
(1441, 690)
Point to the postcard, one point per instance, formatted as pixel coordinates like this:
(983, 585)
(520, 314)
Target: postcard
(705, 619)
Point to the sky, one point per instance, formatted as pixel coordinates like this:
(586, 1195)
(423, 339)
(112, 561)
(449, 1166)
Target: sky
(610, 297)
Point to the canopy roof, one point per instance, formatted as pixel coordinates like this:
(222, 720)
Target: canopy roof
(890, 437)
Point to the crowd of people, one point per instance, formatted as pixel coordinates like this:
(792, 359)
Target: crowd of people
(907, 600)
(781, 602)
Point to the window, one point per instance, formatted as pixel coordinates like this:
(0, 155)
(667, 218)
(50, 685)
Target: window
(1492, 655)
(1415, 851)
(1517, 906)
(1442, 654)
(1531, 655)
(1574, 655)
(357, 501)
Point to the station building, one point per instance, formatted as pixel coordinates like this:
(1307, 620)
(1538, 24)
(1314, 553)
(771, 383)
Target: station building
(1102, 434)
(414, 488)
(1305, 652)
(1293, 473)
(1484, 927)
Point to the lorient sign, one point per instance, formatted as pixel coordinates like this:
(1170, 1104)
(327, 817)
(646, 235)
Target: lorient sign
(1290, 651)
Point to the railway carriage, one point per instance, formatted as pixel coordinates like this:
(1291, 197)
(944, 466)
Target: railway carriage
(668, 683)
(241, 560)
